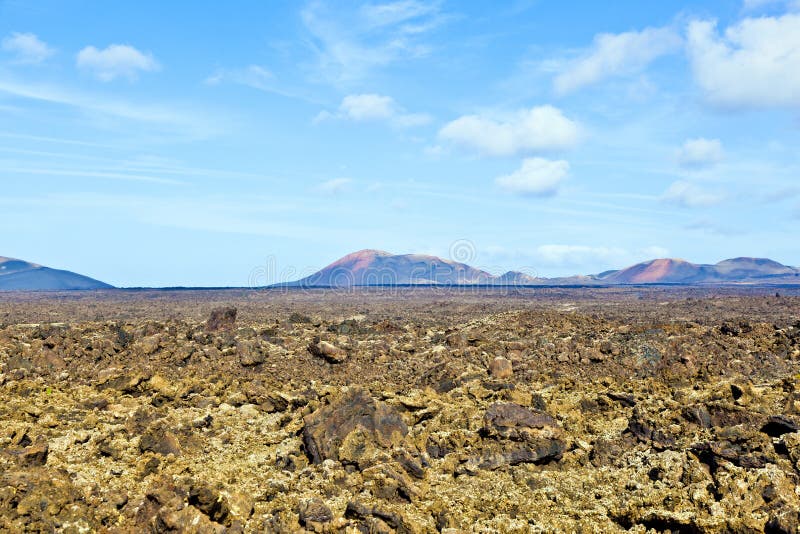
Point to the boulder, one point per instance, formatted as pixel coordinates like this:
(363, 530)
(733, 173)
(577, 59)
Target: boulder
(221, 319)
(500, 368)
(514, 435)
(327, 351)
(354, 417)
(314, 511)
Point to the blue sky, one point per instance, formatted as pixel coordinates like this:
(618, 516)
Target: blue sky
(147, 143)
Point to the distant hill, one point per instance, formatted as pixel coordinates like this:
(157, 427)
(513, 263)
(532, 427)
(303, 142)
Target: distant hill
(676, 271)
(376, 267)
(19, 275)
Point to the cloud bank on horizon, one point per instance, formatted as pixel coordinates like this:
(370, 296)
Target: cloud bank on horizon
(161, 149)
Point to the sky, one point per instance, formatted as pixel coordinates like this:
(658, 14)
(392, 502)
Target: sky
(244, 143)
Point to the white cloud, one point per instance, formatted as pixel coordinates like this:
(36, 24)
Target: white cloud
(334, 186)
(254, 76)
(378, 15)
(367, 107)
(561, 255)
(654, 251)
(582, 258)
(756, 63)
(115, 61)
(709, 226)
(372, 108)
(348, 44)
(536, 177)
(690, 196)
(262, 79)
(700, 152)
(27, 47)
(617, 54)
(537, 129)
(166, 118)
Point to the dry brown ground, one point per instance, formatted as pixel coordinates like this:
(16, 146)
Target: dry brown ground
(548, 410)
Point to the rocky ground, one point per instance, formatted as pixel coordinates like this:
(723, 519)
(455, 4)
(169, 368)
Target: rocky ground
(623, 410)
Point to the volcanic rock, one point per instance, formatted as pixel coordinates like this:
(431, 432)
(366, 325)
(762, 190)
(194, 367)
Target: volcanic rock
(327, 351)
(353, 415)
(221, 319)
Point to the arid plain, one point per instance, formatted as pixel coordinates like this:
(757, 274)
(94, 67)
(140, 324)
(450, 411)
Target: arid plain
(401, 410)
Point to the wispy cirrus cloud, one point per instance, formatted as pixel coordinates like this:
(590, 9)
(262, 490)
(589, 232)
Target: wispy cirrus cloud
(348, 44)
(616, 55)
(755, 5)
(166, 118)
(334, 186)
(261, 79)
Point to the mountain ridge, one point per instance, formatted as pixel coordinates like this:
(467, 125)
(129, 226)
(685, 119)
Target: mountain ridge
(377, 267)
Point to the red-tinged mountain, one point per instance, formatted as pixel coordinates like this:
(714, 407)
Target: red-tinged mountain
(660, 271)
(379, 268)
(376, 267)
(677, 271)
(19, 275)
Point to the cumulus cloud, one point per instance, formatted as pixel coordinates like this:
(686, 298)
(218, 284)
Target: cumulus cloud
(537, 129)
(115, 61)
(27, 48)
(753, 64)
(616, 54)
(689, 195)
(334, 186)
(700, 152)
(536, 177)
(374, 108)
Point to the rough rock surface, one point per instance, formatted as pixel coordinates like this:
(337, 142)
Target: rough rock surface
(636, 410)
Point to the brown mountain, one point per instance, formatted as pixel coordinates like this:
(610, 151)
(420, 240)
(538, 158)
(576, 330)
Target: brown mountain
(677, 271)
(376, 267)
(19, 275)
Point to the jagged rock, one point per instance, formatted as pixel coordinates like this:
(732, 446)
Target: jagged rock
(221, 319)
(500, 368)
(646, 430)
(314, 511)
(325, 430)
(220, 506)
(515, 435)
(779, 425)
(515, 422)
(249, 354)
(160, 442)
(35, 454)
(327, 351)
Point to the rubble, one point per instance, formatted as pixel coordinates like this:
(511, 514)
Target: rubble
(626, 410)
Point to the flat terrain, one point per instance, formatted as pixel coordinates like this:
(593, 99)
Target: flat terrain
(401, 410)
